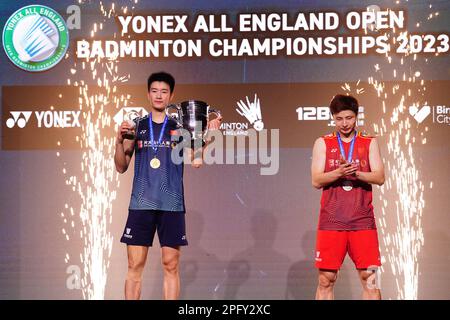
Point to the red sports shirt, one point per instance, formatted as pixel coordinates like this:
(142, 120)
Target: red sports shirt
(347, 210)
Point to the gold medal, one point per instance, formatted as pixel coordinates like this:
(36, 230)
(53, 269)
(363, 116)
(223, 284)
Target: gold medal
(155, 163)
(347, 185)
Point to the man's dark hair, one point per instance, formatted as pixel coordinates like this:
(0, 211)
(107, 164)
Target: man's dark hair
(342, 102)
(162, 77)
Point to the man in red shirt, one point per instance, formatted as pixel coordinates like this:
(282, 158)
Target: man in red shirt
(345, 164)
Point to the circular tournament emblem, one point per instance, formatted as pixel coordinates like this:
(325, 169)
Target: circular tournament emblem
(35, 38)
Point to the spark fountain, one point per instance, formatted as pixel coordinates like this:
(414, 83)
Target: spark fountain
(403, 191)
(98, 180)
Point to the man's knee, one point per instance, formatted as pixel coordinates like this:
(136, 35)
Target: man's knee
(170, 263)
(135, 267)
(327, 279)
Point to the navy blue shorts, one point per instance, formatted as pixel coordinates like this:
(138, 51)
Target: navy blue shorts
(142, 224)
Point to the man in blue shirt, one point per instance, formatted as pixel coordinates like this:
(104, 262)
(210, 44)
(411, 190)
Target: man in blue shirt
(157, 198)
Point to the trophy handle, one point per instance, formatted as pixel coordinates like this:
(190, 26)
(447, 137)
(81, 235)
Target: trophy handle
(217, 113)
(176, 117)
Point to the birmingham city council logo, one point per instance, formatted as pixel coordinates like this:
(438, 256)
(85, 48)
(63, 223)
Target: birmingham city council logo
(35, 38)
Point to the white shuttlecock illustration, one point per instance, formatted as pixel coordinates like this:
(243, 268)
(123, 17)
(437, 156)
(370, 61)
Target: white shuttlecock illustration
(36, 40)
(39, 22)
(251, 111)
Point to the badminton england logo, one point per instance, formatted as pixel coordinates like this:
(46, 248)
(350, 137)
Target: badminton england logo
(35, 38)
(252, 111)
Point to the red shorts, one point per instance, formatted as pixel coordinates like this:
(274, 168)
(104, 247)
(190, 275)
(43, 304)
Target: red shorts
(361, 245)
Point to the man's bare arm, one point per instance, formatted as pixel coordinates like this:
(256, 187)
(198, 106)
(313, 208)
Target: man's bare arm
(376, 174)
(320, 178)
(124, 149)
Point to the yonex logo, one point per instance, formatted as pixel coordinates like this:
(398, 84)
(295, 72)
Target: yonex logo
(45, 119)
(317, 256)
(18, 117)
(127, 233)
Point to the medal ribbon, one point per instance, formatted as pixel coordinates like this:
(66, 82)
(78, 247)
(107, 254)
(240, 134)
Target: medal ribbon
(352, 145)
(152, 137)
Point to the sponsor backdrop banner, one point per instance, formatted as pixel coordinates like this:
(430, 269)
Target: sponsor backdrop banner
(296, 109)
(72, 71)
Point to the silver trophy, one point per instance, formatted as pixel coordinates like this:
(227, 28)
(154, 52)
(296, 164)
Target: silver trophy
(192, 115)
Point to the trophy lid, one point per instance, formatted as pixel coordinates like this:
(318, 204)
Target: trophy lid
(193, 103)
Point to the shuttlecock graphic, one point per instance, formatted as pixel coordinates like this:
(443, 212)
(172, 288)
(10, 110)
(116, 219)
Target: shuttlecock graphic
(39, 22)
(36, 42)
(251, 111)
